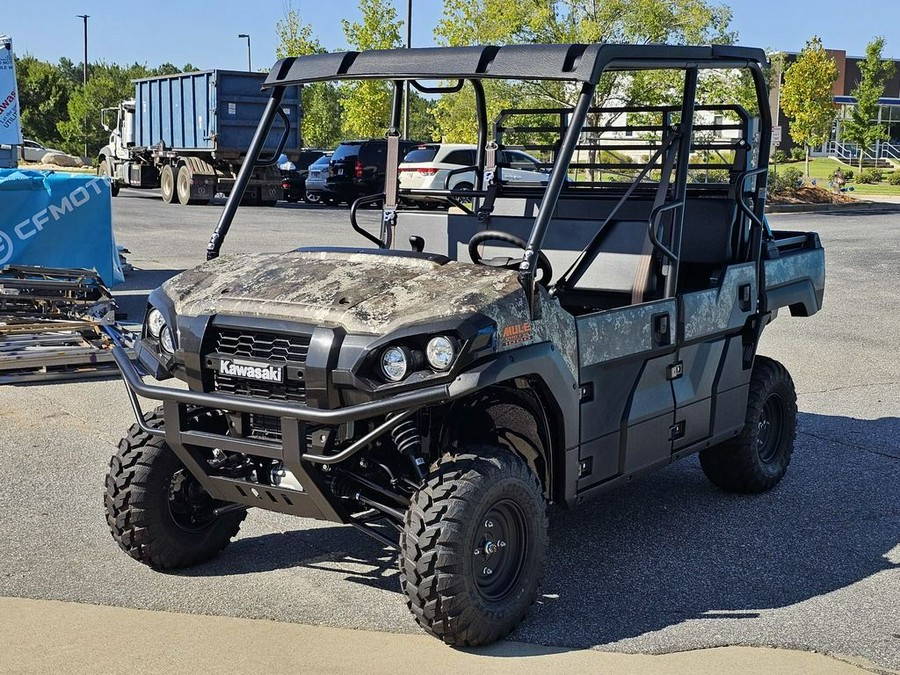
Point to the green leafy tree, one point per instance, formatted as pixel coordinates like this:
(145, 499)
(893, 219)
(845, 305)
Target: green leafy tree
(43, 95)
(321, 126)
(468, 22)
(367, 103)
(862, 127)
(806, 96)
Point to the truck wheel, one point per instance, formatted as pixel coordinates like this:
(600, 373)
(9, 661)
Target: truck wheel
(157, 512)
(757, 459)
(473, 546)
(313, 197)
(103, 169)
(167, 183)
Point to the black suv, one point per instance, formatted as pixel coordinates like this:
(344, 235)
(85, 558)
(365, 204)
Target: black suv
(293, 181)
(357, 168)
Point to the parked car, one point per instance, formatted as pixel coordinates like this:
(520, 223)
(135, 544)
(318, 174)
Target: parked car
(293, 181)
(315, 183)
(357, 168)
(428, 165)
(32, 151)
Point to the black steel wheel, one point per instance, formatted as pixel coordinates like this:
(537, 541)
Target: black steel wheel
(157, 512)
(757, 459)
(473, 546)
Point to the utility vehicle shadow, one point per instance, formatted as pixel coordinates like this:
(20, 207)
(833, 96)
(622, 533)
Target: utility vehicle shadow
(671, 547)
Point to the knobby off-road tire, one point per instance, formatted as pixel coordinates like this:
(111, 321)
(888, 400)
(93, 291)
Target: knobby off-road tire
(156, 510)
(757, 459)
(473, 546)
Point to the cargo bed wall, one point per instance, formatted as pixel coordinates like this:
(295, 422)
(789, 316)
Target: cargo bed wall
(208, 111)
(795, 273)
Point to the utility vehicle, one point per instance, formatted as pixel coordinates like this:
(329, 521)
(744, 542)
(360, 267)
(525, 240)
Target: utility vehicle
(438, 386)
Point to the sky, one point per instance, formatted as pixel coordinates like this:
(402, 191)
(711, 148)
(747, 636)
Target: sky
(204, 32)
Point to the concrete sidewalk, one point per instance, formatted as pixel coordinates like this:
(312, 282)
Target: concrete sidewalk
(42, 636)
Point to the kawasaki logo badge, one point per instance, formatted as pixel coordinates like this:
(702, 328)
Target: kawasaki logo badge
(251, 370)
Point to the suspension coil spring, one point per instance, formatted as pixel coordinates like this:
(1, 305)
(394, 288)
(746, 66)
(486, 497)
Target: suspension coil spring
(407, 438)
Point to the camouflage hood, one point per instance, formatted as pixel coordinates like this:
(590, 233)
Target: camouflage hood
(362, 292)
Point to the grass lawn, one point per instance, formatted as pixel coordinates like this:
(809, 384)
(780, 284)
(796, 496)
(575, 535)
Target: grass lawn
(821, 169)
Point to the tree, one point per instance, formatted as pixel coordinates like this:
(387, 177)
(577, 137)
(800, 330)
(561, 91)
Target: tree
(862, 127)
(806, 96)
(367, 103)
(321, 126)
(467, 22)
(43, 95)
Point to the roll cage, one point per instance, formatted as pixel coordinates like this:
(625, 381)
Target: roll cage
(582, 65)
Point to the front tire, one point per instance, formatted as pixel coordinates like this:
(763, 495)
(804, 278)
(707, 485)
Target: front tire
(473, 546)
(104, 169)
(157, 512)
(756, 460)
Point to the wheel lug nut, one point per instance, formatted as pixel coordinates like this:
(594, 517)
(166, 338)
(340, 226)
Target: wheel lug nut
(487, 571)
(501, 543)
(489, 523)
(477, 551)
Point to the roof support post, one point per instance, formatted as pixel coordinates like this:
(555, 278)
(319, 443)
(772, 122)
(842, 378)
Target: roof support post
(551, 195)
(686, 128)
(243, 177)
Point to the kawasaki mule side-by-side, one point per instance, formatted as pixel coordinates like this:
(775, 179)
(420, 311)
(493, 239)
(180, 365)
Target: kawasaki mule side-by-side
(530, 344)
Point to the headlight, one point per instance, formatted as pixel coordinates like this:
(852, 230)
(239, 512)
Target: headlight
(166, 340)
(440, 352)
(155, 322)
(395, 363)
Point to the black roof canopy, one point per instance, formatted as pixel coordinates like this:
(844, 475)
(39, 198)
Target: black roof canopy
(575, 62)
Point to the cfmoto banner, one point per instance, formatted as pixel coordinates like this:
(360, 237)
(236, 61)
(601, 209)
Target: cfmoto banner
(10, 127)
(56, 219)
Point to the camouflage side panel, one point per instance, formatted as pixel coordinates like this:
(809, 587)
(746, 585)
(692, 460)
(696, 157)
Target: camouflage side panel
(718, 310)
(625, 331)
(515, 328)
(796, 279)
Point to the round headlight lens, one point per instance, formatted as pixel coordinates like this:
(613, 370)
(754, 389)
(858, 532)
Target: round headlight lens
(394, 363)
(166, 340)
(155, 322)
(440, 352)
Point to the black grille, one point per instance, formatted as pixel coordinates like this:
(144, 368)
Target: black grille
(261, 346)
(265, 426)
(265, 346)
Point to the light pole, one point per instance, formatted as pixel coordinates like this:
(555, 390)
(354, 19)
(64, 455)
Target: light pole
(406, 83)
(84, 17)
(244, 35)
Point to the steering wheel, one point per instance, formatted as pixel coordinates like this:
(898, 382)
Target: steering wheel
(507, 262)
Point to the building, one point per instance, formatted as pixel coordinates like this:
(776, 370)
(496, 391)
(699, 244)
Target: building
(848, 78)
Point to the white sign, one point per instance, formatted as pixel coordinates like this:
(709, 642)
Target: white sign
(10, 125)
(776, 135)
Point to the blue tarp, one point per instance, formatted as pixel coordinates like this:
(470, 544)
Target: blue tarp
(56, 219)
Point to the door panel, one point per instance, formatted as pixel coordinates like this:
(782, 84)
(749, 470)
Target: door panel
(627, 404)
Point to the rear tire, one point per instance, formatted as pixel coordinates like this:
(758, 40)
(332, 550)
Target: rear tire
(313, 197)
(473, 546)
(156, 510)
(756, 460)
(167, 183)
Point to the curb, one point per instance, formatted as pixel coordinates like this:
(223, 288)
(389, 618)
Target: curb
(818, 208)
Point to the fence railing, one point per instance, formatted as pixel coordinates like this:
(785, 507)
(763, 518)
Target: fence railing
(849, 152)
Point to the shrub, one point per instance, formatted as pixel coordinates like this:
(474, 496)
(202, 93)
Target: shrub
(870, 176)
(786, 180)
(798, 153)
(848, 174)
(894, 178)
(780, 157)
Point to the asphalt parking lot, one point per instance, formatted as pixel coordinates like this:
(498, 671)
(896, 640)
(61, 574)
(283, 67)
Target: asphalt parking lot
(665, 564)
